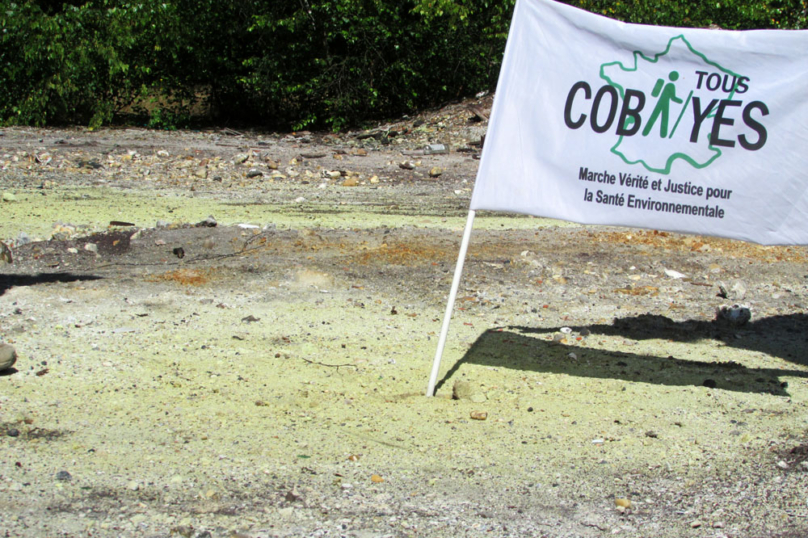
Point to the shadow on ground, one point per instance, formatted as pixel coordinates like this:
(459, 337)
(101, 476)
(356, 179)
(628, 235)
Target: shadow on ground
(529, 349)
(9, 281)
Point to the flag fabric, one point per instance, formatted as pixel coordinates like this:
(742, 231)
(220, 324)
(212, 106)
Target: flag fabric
(687, 130)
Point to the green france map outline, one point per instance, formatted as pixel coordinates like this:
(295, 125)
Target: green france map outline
(637, 55)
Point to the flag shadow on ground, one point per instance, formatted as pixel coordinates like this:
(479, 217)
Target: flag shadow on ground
(530, 349)
(784, 336)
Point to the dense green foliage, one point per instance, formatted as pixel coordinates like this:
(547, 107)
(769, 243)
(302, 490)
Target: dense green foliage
(284, 63)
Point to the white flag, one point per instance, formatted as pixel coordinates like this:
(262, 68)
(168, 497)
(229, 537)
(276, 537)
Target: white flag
(687, 130)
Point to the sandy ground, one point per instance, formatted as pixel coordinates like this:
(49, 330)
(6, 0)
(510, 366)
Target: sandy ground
(266, 376)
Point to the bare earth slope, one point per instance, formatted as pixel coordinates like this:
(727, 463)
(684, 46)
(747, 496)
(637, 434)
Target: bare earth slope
(265, 376)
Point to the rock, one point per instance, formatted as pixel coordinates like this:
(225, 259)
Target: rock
(209, 222)
(624, 503)
(436, 172)
(8, 356)
(201, 172)
(462, 390)
(64, 476)
(736, 314)
(738, 291)
(332, 174)
(254, 173)
(407, 165)
(376, 479)
(163, 154)
(8, 197)
(92, 165)
(674, 274)
(350, 182)
(91, 247)
(6, 254)
(186, 531)
(293, 496)
(241, 158)
(435, 149)
(478, 415)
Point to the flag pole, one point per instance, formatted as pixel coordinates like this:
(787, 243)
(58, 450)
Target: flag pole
(447, 316)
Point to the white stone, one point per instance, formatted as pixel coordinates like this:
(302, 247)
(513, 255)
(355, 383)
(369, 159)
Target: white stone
(8, 356)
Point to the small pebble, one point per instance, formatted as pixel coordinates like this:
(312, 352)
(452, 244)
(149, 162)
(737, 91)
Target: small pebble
(63, 476)
(624, 503)
(209, 222)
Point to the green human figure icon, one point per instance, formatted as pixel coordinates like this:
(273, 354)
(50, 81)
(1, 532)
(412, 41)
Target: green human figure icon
(666, 94)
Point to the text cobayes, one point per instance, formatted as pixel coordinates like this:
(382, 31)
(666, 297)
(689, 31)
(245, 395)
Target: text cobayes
(629, 121)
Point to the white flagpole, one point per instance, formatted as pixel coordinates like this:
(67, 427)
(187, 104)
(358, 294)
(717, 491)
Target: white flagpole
(461, 258)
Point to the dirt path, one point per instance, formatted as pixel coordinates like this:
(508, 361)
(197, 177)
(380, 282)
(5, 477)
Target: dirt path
(265, 376)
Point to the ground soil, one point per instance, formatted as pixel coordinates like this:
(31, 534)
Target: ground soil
(266, 376)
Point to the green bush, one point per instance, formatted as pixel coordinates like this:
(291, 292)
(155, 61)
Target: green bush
(281, 64)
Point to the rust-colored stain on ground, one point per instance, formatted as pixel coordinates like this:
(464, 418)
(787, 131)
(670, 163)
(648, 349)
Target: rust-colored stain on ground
(402, 254)
(186, 277)
(692, 243)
